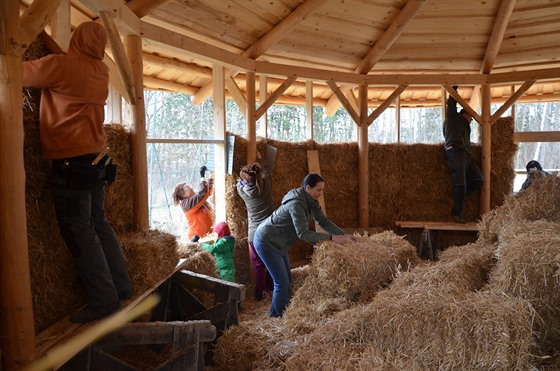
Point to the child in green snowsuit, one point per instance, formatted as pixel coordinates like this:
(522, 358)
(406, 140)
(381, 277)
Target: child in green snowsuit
(222, 250)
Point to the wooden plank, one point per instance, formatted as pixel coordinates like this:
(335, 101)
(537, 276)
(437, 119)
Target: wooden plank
(440, 226)
(536, 136)
(143, 333)
(64, 329)
(314, 167)
(206, 283)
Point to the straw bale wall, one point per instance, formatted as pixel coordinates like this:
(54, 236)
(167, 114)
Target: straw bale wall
(406, 181)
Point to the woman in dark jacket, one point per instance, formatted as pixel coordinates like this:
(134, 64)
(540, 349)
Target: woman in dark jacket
(287, 224)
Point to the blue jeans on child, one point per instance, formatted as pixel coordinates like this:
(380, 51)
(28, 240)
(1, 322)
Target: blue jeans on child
(279, 268)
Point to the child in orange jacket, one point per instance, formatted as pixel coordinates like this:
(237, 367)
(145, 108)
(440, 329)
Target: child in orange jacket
(198, 211)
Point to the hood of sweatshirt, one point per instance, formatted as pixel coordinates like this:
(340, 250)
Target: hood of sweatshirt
(88, 39)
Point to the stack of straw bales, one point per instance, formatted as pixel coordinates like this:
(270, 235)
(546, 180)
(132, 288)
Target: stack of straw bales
(493, 304)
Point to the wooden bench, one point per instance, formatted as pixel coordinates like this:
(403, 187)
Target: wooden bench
(179, 320)
(428, 240)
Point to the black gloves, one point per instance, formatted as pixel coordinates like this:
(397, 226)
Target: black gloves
(203, 170)
(455, 87)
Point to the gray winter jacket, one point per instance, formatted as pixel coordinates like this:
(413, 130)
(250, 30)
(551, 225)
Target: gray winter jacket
(259, 204)
(290, 222)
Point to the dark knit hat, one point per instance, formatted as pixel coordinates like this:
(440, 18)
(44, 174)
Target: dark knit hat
(533, 165)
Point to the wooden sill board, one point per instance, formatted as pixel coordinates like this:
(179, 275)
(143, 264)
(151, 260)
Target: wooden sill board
(440, 226)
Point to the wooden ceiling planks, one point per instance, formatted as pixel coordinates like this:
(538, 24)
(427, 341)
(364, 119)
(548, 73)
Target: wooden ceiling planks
(443, 37)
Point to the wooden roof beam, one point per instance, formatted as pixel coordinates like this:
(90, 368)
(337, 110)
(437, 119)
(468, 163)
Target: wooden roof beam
(167, 63)
(143, 7)
(270, 38)
(128, 22)
(382, 45)
(35, 18)
(494, 43)
(119, 54)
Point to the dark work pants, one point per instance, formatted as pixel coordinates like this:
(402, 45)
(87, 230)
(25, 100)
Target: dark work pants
(93, 243)
(465, 177)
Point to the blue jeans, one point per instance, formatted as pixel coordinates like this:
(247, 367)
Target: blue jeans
(279, 268)
(465, 177)
(93, 243)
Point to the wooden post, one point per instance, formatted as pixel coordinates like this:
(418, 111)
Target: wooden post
(133, 46)
(263, 94)
(309, 109)
(16, 308)
(486, 149)
(398, 118)
(218, 80)
(363, 160)
(251, 122)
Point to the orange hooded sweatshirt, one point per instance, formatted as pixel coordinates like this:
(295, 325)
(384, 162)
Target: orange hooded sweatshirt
(74, 91)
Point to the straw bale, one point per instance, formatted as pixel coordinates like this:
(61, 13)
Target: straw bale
(197, 259)
(241, 345)
(356, 271)
(483, 330)
(540, 201)
(503, 150)
(299, 276)
(341, 275)
(118, 195)
(151, 256)
(529, 268)
(460, 270)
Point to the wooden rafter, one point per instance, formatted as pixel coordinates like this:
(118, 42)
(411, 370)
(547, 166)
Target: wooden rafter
(273, 36)
(382, 45)
(494, 44)
(129, 23)
(143, 7)
(119, 54)
(497, 35)
(35, 18)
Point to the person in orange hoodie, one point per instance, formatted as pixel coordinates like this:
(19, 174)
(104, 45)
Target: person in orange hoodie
(195, 206)
(74, 90)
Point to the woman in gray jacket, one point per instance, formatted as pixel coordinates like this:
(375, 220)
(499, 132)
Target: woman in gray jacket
(287, 224)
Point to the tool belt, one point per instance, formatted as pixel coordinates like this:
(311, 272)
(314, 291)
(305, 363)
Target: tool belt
(80, 173)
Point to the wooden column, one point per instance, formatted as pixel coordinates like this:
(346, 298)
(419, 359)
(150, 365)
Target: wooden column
(363, 160)
(219, 99)
(251, 122)
(263, 94)
(309, 109)
(486, 149)
(16, 308)
(398, 118)
(133, 45)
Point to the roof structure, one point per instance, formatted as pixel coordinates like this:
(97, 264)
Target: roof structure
(418, 44)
